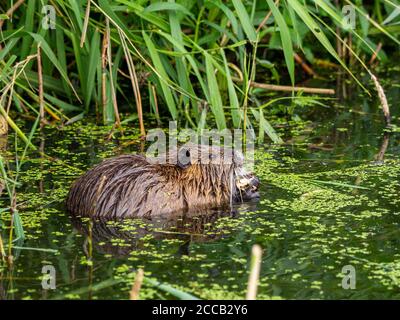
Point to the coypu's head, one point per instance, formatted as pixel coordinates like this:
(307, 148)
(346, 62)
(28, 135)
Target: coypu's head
(216, 172)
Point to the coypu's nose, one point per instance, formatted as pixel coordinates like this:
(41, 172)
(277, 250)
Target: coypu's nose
(248, 188)
(250, 181)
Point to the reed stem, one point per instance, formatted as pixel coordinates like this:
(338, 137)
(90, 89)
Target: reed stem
(135, 291)
(255, 266)
(85, 24)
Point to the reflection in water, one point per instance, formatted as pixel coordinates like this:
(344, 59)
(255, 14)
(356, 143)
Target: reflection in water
(382, 151)
(188, 227)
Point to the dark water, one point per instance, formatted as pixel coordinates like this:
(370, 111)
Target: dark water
(329, 200)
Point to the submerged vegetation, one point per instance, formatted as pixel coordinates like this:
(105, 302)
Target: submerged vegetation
(81, 81)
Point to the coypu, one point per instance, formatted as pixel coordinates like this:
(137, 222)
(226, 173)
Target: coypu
(193, 177)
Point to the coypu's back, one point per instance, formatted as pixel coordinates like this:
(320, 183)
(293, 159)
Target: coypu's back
(132, 186)
(117, 187)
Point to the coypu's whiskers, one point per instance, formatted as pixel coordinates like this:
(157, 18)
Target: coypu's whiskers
(232, 183)
(239, 175)
(241, 196)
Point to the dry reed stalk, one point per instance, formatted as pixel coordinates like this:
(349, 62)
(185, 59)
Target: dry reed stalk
(274, 87)
(2, 251)
(10, 11)
(382, 98)
(304, 65)
(113, 95)
(85, 24)
(104, 93)
(264, 21)
(375, 55)
(10, 238)
(11, 88)
(104, 73)
(4, 118)
(384, 146)
(238, 71)
(135, 83)
(3, 126)
(225, 39)
(135, 291)
(255, 267)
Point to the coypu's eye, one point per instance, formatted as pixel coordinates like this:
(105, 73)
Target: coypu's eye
(184, 158)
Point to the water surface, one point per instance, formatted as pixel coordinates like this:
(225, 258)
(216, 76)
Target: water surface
(329, 199)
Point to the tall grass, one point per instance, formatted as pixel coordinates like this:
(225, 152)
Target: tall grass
(9, 181)
(198, 60)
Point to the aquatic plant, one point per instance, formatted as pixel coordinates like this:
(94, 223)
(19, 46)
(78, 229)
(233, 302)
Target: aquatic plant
(198, 62)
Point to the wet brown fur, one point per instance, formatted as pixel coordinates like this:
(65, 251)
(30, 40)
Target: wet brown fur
(133, 186)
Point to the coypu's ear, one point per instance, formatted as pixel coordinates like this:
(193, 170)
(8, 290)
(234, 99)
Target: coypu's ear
(183, 158)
